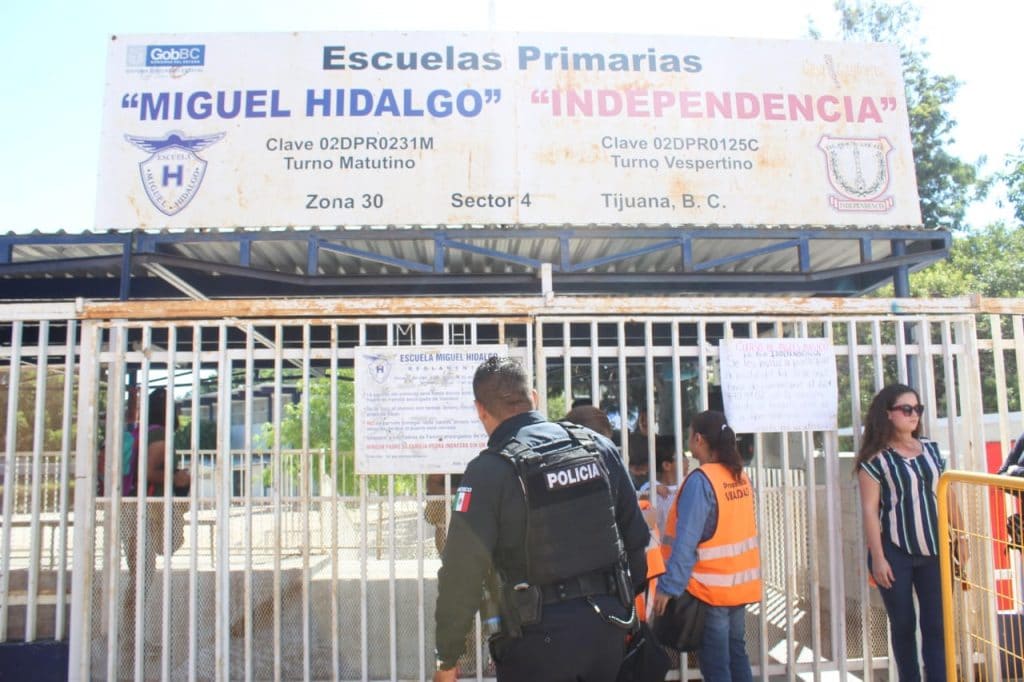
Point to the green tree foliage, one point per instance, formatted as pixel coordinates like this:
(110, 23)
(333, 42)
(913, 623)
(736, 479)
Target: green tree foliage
(946, 184)
(1013, 178)
(989, 262)
(318, 392)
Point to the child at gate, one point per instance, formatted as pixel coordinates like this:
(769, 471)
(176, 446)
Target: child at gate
(667, 478)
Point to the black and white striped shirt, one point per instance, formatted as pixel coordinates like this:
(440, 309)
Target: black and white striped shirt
(908, 509)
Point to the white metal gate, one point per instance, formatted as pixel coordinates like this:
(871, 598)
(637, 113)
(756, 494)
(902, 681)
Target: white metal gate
(292, 567)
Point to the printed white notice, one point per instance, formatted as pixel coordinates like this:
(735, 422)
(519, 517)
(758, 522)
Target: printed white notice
(414, 408)
(773, 385)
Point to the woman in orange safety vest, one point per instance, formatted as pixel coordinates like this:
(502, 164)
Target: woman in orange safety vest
(714, 548)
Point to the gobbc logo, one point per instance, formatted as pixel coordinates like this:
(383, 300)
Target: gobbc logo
(175, 55)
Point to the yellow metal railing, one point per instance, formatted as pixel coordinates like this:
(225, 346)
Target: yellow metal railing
(982, 600)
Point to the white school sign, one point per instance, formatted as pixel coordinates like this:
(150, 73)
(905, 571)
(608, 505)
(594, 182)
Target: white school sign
(297, 129)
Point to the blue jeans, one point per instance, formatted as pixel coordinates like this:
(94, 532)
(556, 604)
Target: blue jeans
(923, 573)
(723, 653)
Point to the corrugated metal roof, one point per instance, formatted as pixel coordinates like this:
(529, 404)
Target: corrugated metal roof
(279, 261)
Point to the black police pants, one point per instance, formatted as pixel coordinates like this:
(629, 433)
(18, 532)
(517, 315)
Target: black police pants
(572, 643)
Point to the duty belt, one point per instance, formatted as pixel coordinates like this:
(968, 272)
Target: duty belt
(586, 585)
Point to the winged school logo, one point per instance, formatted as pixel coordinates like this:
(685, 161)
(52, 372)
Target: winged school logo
(173, 172)
(858, 169)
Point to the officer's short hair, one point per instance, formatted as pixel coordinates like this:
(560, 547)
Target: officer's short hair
(502, 387)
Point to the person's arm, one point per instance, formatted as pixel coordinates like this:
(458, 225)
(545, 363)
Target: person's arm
(870, 502)
(468, 553)
(155, 464)
(695, 504)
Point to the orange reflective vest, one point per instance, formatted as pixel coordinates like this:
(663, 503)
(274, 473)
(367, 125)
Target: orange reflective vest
(728, 568)
(655, 562)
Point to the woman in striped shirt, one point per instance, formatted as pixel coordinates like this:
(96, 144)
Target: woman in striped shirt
(898, 472)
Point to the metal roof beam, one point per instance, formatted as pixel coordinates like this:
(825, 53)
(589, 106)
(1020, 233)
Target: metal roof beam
(484, 251)
(414, 266)
(567, 266)
(771, 248)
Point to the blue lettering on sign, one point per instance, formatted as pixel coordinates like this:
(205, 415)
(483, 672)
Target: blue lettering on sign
(175, 55)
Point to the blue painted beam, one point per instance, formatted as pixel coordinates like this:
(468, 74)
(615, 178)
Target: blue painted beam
(375, 257)
(497, 255)
(624, 255)
(771, 248)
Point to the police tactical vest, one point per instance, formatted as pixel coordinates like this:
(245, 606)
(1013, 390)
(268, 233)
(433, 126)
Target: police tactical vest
(570, 512)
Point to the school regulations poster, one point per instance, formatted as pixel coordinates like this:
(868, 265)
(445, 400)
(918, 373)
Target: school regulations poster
(414, 408)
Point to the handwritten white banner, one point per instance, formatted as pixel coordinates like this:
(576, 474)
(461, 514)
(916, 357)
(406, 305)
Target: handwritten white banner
(773, 385)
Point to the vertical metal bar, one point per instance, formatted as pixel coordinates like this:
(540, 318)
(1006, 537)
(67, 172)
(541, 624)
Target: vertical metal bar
(813, 553)
(364, 551)
(84, 559)
(702, 362)
(193, 559)
(10, 475)
(533, 371)
(566, 368)
(760, 493)
(305, 491)
(65, 458)
(595, 367)
(853, 376)
(788, 542)
(902, 362)
(677, 404)
(223, 477)
(170, 428)
(335, 500)
(837, 575)
(999, 364)
(863, 589)
(392, 581)
(35, 505)
(541, 367)
(247, 597)
(876, 347)
(142, 550)
(952, 404)
(114, 437)
(649, 411)
(278, 484)
(623, 392)
(926, 372)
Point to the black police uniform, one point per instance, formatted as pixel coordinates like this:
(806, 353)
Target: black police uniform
(488, 529)
(1014, 464)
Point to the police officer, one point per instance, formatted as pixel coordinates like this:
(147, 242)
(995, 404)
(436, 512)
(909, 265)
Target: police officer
(546, 519)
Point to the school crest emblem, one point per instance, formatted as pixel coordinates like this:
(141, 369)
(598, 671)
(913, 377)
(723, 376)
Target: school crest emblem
(379, 367)
(858, 170)
(174, 171)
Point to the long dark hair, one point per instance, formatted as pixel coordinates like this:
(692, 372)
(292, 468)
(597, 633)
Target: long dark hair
(877, 426)
(711, 425)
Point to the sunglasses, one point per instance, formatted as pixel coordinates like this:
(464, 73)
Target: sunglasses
(908, 410)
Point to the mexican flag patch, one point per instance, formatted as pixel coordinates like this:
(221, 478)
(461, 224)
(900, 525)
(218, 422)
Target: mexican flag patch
(462, 498)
